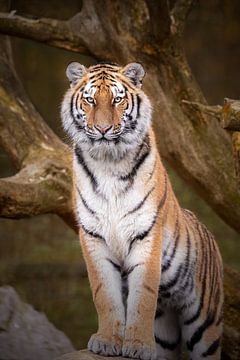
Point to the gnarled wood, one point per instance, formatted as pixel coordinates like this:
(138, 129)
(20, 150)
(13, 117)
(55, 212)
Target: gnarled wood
(228, 114)
(229, 117)
(43, 183)
(123, 31)
(192, 141)
(52, 32)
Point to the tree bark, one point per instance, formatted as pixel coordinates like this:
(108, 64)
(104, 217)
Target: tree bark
(43, 183)
(192, 141)
(151, 32)
(229, 117)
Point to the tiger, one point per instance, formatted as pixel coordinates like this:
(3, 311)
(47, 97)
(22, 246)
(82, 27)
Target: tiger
(155, 271)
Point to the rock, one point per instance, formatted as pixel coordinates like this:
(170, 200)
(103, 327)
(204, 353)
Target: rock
(86, 355)
(26, 334)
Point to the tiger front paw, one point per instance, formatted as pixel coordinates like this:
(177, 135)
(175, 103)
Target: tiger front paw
(100, 344)
(139, 350)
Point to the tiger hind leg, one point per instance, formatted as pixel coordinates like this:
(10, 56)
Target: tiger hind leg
(202, 336)
(167, 335)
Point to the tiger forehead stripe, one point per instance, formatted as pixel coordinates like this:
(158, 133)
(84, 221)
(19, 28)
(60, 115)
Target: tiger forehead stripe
(106, 66)
(100, 75)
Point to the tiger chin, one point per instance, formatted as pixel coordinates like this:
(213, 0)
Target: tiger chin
(155, 271)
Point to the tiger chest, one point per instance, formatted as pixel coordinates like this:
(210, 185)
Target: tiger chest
(114, 219)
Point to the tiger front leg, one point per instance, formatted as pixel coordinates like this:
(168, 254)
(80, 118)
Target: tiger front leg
(143, 268)
(106, 284)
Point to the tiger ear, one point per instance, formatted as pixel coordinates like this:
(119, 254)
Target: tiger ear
(75, 72)
(135, 73)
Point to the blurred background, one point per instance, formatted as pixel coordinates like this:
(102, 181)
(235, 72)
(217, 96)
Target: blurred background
(40, 257)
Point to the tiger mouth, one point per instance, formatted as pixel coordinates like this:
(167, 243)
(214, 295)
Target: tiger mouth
(94, 135)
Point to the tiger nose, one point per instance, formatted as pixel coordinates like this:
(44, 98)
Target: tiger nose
(103, 129)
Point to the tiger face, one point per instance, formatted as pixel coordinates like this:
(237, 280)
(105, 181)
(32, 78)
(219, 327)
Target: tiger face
(105, 109)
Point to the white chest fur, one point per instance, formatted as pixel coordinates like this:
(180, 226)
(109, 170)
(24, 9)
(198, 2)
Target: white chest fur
(105, 208)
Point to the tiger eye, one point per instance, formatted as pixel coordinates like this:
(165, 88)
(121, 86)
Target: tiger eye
(117, 99)
(90, 100)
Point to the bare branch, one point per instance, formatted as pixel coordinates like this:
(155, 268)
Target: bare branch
(39, 188)
(52, 32)
(228, 114)
(42, 185)
(215, 110)
(26, 194)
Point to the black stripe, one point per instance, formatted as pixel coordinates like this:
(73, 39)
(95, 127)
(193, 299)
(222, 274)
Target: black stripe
(92, 233)
(189, 282)
(76, 103)
(139, 100)
(187, 268)
(188, 276)
(100, 76)
(85, 203)
(212, 348)
(171, 283)
(81, 161)
(143, 234)
(130, 102)
(139, 161)
(199, 332)
(128, 271)
(166, 295)
(141, 203)
(205, 264)
(105, 66)
(116, 266)
(76, 123)
(167, 344)
(158, 313)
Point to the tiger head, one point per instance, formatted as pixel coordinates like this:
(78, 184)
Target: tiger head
(105, 111)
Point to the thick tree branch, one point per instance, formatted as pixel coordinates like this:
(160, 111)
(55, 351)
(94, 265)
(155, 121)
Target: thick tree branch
(229, 117)
(52, 32)
(41, 187)
(228, 114)
(198, 150)
(212, 110)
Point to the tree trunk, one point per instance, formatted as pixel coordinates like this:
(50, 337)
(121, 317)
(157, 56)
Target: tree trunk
(151, 32)
(192, 141)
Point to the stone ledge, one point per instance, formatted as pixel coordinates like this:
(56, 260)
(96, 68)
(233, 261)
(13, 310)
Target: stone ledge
(85, 355)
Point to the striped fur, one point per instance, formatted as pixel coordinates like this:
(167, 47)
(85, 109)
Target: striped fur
(154, 269)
